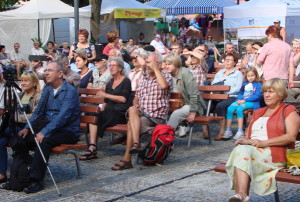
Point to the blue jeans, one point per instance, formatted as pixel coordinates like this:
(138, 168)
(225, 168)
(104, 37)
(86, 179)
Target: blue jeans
(3, 155)
(239, 109)
(3, 151)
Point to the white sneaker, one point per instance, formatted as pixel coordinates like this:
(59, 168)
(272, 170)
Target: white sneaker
(183, 130)
(228, 134)
(239, 135)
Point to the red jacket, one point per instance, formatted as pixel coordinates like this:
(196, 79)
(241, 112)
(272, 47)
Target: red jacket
(275, 128)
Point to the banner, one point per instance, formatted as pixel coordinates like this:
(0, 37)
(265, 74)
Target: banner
(139, 13)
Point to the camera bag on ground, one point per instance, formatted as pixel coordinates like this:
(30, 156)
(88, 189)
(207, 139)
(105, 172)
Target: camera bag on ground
(19, 172)
(160, 146)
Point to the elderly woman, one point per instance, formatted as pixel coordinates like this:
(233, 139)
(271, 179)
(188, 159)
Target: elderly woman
(260, 155)
(113, 39)
(29, 98)
(228, 76)
(116, 102)
(85, 73)
(82, 43)
(187, 86)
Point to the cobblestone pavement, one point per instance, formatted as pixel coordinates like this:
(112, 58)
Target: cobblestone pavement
(186, 176)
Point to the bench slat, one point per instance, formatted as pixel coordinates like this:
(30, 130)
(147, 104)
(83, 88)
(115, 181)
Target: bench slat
(215, 96)
(88, 91)
(88, 119)
(89, 109)
(213, 88)
(95, 100)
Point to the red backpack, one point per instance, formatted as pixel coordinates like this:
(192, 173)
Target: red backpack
(160, 146)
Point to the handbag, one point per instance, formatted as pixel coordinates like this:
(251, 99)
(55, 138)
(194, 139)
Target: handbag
(292, 155)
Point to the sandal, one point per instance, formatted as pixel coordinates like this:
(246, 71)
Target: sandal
(122, 165)
(89, 154)
(238, 198)
(136, 148)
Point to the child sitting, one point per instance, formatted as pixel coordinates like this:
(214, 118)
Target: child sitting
(248, 98)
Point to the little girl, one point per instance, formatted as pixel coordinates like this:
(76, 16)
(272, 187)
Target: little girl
(248, 98)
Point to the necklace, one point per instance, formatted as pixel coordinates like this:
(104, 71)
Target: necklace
(264, 122)
(84, 72)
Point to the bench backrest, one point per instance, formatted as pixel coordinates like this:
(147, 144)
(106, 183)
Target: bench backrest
(213, 92)
(88, 91)
(88, 112)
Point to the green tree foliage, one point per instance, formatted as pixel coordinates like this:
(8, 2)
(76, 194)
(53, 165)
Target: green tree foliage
(6, 4)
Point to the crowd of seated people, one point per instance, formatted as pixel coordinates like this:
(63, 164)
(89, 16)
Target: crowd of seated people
(155, 74)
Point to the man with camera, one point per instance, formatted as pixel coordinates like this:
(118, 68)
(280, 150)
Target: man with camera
(55, 121)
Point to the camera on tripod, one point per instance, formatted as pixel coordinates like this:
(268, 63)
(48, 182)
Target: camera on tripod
(9, 72)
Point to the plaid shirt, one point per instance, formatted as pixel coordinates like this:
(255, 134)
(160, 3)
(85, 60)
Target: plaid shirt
(199, 73)
(153, 100)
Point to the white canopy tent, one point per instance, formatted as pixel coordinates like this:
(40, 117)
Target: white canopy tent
(133, 26)
(32, 20)
(250, 20)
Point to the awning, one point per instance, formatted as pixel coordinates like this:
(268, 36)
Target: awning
(177, 7)
(140, 13)
(166, 4)
(200, 6)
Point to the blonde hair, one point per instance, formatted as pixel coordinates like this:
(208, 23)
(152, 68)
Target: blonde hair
(32, 76)
(278, 85)
(174, 59)
(251, 69)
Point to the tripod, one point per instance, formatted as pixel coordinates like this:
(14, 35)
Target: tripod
(10, 91)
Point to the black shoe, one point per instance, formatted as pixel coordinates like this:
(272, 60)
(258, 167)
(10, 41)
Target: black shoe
(34, 187)
(3, 179)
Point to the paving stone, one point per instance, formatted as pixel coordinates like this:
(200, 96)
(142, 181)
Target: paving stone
(175, 178)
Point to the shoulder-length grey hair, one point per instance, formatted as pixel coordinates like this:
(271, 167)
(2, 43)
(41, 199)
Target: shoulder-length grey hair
(120, 63)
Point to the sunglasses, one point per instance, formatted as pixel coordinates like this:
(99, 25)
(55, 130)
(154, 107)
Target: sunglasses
(28, 71)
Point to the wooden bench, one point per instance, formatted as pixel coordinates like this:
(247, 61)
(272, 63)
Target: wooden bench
(281, 176)
(175, 102)
(86, 118)
(209, 93)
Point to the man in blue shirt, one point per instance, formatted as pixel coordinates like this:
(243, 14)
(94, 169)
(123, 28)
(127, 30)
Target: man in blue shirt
(59, 113)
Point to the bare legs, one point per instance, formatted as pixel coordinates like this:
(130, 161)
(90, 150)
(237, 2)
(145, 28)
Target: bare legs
(93, 136)
(133, 135)
(241, 181)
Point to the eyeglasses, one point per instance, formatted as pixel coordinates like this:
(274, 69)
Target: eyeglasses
(50, 70)
(28, 71)
(228, 60)
(113, 65)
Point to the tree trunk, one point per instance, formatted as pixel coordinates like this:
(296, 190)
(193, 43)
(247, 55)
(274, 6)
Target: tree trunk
(95, 19)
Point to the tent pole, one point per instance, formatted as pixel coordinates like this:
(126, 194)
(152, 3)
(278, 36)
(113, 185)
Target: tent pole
(38, 29)
(52, 21)
(76, 18)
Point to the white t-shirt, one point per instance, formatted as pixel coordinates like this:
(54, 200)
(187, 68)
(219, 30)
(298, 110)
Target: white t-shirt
(158, 45)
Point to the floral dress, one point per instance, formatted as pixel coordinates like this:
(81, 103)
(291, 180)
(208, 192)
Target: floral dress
(256, 162)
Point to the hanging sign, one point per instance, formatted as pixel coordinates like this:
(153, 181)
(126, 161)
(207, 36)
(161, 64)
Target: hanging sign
(140, 13)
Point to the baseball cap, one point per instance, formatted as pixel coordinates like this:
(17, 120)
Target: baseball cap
(157, 35)
(276, 20)
(101, 57)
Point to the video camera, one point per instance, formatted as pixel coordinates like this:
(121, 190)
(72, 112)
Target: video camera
(38, 58)
(9, 72)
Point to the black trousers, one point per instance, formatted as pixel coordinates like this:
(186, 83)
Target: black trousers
(38, 167)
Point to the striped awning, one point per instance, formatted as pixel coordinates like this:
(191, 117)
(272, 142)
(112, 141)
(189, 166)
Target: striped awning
(166, 4)
(177, 7)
